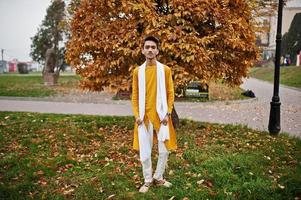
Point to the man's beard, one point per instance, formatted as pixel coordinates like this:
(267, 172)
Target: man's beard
(150, 56)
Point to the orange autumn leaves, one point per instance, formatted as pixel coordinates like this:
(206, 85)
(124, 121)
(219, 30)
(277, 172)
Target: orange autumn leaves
(200, 40)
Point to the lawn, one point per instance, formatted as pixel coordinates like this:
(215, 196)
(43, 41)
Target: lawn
(47, 156)
(32, 85)
(290, 76)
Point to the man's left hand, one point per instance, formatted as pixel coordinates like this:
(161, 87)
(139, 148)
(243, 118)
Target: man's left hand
(165, 120)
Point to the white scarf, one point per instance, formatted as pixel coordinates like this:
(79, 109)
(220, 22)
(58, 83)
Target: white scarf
(161, 104)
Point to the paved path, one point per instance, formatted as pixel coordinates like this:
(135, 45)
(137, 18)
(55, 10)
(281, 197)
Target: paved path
(290, 99)
(253, 112)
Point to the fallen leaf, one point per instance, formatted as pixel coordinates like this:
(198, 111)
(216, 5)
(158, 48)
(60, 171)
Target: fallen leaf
(281, 186)
(40, 172)
(66, 192)
(111, 196)
(42, 181)
(209, 183)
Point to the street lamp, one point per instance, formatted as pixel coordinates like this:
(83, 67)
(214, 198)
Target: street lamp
(274, 121)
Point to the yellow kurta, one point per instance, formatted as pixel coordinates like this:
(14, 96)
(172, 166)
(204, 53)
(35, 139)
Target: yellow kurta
(150, 103)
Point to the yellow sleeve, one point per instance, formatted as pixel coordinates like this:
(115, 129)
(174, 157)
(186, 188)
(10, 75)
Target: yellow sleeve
(135, 90)
(169, 88)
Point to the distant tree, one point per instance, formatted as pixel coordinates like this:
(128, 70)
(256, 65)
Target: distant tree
(291, 41)
(262, 10)
(50, 33)
(71, 9)
(200, 40)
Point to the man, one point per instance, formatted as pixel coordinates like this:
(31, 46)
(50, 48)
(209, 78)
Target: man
(152, 99)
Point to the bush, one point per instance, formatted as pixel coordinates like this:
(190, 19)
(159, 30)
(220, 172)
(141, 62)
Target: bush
(22, 68)
(291, 41)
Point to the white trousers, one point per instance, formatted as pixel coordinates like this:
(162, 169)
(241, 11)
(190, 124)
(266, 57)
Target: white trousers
(162, 159)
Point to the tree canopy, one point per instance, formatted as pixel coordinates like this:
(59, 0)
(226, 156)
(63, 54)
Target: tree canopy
(50, 33)
(291, 43)
(200, 40)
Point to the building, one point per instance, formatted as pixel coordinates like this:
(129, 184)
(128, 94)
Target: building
(267, 40)
(12, 65)
(289, 11)
(34, 66)
(3, 66)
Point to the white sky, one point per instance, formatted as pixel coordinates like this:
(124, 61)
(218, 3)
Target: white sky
(19, 21)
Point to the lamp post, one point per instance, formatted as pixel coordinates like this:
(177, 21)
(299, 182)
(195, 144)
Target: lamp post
(274, 120)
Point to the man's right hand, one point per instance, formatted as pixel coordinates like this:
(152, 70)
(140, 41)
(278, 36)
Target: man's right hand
(139, 121)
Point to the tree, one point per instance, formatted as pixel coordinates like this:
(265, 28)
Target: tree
(50, 33)
(200, 40)
(262, 10)
(291, 42)
(72, 6)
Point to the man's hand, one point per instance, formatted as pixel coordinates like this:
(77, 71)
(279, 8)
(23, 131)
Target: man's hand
(165, 120)
(138, 121)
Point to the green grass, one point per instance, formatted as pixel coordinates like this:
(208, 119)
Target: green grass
(290, 76)
(47, 156)
(32, 85)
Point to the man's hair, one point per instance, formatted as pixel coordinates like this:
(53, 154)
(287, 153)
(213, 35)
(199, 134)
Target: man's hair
(151, 38)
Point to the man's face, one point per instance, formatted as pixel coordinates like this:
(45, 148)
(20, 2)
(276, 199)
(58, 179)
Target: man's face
(150, 50)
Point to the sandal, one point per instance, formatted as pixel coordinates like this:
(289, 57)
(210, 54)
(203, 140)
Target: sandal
(145, 187)
(163, 183)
